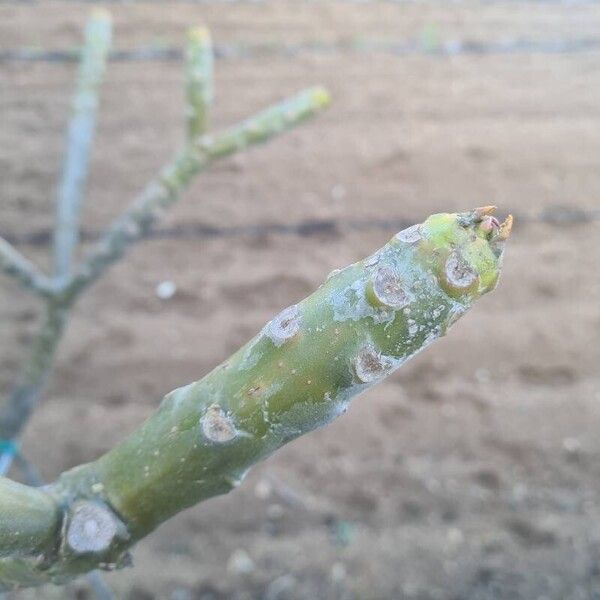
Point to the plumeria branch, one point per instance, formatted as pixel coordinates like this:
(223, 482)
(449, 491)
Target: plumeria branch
(196, 155)
(32, 517)
(199, 80)
(298, 373)
(80, 134)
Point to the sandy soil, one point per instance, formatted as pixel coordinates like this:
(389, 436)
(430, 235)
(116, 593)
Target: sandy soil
(471, 474)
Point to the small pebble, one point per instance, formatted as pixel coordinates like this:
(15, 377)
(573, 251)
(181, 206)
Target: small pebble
(338, 192)
(165, 290)
(572, 445)
(240, 563)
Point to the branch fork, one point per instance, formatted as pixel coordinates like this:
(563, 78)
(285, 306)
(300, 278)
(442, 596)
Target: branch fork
(90, 527)
(297, 374)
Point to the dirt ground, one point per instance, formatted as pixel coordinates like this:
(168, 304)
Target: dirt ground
(474, 472)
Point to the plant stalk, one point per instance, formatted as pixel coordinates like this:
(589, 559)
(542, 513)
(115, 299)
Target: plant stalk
(199, 80)
(298, 373)
(80, 134)
(174, 178)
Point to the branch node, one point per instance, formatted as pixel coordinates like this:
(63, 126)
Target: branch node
(217, 426)
(13, 263)
(80, 134)
(370, 366)
(91, 528)
(284, 326)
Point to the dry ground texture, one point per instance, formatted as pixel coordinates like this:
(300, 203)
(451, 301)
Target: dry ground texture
(474, 472)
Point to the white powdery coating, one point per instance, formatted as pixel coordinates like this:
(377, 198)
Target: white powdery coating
(91, 529)
(251, 355)
(217, 426)
(370, 366)
(177, 396)
(372, 260)
(388, 290)
(454, 315)
(284, 326)
(333, 273)
(458, 272)
(410, 235)
(351, 304)
(303, 417)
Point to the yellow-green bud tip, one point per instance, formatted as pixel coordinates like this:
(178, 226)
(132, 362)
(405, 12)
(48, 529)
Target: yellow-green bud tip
(100, 14)
(465, 250)
(198, 34)
(320, 97)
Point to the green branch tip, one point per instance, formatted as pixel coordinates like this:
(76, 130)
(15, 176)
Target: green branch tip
(198, 34)
(199, 85)
(320, 96)
(159, 195)
(174, 178)
(80, 135)
(298, 373)
(101, 14)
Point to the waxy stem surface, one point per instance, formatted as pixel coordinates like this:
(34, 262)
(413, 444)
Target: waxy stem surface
(298, 373)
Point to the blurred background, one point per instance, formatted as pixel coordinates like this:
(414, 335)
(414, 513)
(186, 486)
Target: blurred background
(474, 472)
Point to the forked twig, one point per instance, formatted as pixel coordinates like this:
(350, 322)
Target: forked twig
(198, 152)
(68, 282)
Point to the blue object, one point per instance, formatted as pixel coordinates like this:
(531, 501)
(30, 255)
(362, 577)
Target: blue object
(8, 450)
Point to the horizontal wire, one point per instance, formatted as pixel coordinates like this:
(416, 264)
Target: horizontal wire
(553, 216)
(428, 47)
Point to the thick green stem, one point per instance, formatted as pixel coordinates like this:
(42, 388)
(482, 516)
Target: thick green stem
(80, 134)
(298, 373)
(29, 519)
(98, 586)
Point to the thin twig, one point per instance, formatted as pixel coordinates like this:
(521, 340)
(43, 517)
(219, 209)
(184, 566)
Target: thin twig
(13, 263)
(17, 408)
(38, 512)
(80, 133)
(176, 176)
(156, 198)
(199, 86)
